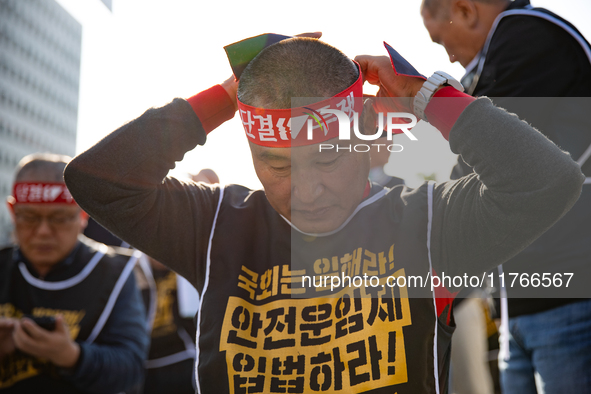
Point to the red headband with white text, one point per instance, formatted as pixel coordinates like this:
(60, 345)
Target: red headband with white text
(307, 125)
(41, 193)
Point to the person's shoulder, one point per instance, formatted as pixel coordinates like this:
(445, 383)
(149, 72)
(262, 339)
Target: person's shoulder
(401, 203)
(240, 196)
(6, 254)
(110, 254)
(240, 189)
(406, 192)
(533, 28)
(6, 249)
(403, 196)
(532, 56)
(240, 204)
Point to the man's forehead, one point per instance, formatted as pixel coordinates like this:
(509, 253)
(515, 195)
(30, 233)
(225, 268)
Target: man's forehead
(308, 151)
(45, 208)
(436, 9)
(267, 153)
(434, 27)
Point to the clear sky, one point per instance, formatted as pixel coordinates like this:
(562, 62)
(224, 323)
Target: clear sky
(148, 52)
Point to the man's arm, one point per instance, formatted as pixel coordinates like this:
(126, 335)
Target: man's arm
(522, 185)
(122, 182)
(115, 361)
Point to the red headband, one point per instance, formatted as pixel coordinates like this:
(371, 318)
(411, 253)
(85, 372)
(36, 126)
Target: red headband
(41, 192)
(284, 128)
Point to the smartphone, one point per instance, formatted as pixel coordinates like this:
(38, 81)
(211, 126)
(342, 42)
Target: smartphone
(45, 322)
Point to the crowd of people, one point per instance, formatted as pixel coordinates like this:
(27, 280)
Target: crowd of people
(90, 293)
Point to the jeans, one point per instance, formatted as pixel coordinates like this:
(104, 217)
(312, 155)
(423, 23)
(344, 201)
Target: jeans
(549, 352)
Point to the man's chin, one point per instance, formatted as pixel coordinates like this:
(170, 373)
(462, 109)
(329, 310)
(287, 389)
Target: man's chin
(45, 256)
(316, 225)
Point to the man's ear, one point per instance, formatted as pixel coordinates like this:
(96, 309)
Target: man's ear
(83, 219)
(10, 204)
(464, 12)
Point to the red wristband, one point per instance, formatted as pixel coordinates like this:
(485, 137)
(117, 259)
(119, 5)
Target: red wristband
(213, 107)
(445, 108)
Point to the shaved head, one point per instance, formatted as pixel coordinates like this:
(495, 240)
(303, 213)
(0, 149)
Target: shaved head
(436, 8)
(297, 67)
(41, 167)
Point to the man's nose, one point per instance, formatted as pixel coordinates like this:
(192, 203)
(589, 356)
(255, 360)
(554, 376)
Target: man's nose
(43, 228)
(306, 186)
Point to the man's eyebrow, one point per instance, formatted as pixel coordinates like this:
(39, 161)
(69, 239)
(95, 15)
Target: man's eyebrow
(268, 155)
(56, 211)
(329, 154)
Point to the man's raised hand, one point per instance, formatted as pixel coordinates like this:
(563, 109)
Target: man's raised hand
(377, 70)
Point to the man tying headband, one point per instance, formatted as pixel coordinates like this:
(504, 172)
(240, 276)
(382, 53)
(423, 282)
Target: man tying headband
(261, 328)
(71, 317)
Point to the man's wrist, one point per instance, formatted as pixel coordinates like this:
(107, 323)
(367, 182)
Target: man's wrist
(70, 356)
(230, 85)
(415, 86)
(434, 83)
(446, 107)
(213, 106)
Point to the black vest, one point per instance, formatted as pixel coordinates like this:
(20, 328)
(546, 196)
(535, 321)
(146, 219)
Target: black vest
(480, 74)
(261, 331)
(170, 342)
